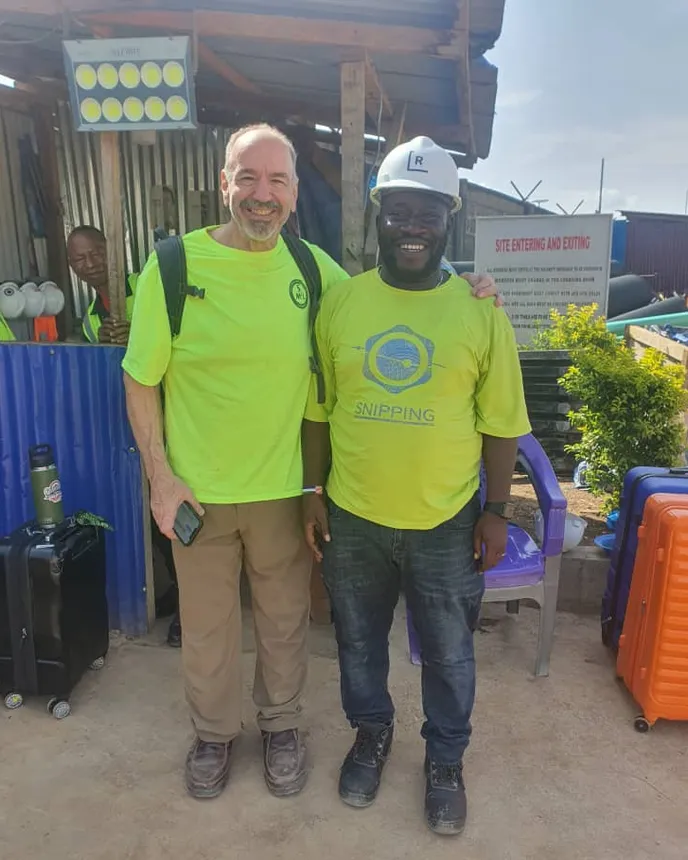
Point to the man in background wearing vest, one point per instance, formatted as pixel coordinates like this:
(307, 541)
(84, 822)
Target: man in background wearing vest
(422, 383)
(236, 380)
(87, 256)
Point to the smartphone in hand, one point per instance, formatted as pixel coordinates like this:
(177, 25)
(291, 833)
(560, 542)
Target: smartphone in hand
(187, 524)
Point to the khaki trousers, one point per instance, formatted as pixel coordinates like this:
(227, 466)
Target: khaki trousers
(267, 537)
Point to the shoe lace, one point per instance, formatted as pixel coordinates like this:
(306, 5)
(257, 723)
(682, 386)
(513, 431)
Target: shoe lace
(368, 744)
(446, 774)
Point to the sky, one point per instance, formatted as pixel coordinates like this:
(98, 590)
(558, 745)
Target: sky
(580, 80)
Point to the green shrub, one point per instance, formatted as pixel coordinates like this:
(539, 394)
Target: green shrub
(632, 410)
(631, 415)
(577, 328)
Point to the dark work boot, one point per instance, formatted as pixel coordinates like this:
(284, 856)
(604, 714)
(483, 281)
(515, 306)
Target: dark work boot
(284, 762)
(445, 798)
(174, 632)
(359, 779)
(207, 768)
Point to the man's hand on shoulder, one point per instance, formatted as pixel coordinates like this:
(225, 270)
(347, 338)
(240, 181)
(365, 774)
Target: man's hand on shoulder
(484, 287)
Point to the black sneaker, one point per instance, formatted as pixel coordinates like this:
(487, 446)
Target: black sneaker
(445, 798)
(359, 779)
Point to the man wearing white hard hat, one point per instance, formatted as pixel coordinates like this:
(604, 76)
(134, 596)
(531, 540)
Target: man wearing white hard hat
(422, 384)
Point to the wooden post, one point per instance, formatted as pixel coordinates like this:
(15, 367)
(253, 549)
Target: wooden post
(353, 99)
(113, 221)
(58, 268)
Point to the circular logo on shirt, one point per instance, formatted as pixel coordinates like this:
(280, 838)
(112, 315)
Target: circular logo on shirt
(298, 293)
(398, 359)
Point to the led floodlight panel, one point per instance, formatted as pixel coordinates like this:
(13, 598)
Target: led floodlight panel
(130, 84)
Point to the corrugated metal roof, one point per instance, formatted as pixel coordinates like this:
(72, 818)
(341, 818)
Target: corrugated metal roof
(72, 397)
(435, 14)
(299, 71)
(308, 74)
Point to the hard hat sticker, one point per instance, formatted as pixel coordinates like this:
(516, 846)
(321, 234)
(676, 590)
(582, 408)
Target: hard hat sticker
(415, 163)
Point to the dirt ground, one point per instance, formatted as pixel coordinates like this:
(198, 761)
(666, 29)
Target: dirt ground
(580, 502)
(555, 770)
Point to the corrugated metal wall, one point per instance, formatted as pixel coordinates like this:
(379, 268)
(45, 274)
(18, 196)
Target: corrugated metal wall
(72, 397)
(180, 161)
(17, 255)
(657, 246)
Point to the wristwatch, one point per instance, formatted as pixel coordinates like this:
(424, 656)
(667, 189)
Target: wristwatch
(505, 510)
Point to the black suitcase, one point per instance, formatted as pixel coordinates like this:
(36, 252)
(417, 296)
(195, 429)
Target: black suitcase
(53, 612)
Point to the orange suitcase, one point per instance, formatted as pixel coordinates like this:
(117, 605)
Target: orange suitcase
(653, 649)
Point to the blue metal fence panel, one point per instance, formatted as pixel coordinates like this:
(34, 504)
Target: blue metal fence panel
(619, 242)
(72, 397)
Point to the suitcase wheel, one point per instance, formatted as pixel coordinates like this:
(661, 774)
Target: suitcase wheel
(640, 724)
(13, 701)
(97, 664)
(59, 708)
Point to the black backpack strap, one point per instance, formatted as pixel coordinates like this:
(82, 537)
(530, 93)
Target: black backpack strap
(310, 271)
(172, 265)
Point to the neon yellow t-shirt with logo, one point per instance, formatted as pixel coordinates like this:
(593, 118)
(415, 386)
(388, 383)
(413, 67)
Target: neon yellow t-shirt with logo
(413, 380)
(236, 378)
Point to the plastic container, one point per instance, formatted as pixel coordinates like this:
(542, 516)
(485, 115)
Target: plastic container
(605, 542)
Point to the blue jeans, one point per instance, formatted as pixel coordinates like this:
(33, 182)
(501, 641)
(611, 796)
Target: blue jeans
(364, 566)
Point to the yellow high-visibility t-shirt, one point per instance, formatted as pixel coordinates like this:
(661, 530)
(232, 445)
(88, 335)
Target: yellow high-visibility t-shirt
(6, 332)
(413, 380)
(236, 377)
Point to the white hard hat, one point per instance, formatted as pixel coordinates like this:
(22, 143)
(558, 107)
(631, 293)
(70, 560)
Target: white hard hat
(35, 300)
(12, 301)
(419, 165)
(54, 298)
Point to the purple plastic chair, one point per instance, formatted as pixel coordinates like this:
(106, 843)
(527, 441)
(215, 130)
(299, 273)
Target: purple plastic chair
(527, 571)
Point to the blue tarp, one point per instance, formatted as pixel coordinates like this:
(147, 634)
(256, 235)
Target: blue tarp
(72, 397)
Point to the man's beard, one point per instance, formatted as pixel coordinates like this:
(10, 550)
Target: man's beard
(387, 249)
(255, 229)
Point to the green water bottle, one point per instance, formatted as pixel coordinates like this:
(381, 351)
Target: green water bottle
(45, 482)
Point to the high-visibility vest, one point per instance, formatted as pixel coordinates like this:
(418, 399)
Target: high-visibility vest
(93, 317)
(6, 332)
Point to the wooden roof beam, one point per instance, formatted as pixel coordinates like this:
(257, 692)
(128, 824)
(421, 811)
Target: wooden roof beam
(216, 100)
(464, 90)
(210, 60)
(101, 31)
(276, 28)
(58, 7)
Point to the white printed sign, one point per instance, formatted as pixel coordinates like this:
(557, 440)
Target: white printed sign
(541, 262)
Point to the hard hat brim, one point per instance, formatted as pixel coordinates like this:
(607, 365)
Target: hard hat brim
(411, 185)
